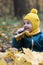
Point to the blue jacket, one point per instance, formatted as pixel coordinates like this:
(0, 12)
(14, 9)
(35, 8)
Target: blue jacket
(26, 42)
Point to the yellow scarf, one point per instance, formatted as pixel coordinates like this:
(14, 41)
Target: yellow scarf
(36, 31)
(27, 33)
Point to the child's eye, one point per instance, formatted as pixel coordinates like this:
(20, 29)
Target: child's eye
(27, 22)
(24, 23)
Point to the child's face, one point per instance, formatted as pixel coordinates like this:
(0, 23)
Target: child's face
(27, 25)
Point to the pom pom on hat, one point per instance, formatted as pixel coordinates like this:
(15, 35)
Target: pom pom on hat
(35, 11)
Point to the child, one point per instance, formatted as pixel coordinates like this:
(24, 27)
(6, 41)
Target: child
(31, 37)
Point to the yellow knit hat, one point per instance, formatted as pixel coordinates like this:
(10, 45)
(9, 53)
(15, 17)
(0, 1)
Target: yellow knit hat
(34, 19)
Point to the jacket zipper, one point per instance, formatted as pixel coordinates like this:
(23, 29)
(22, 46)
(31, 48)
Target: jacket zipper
(32, 44)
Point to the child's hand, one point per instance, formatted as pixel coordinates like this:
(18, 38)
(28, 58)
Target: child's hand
(19, 30)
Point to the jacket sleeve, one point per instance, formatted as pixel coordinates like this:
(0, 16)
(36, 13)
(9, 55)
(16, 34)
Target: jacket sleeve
(41, 42)
(16, 43)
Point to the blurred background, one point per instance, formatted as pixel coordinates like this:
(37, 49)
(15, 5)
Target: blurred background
(11, 14)
(18, 8)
